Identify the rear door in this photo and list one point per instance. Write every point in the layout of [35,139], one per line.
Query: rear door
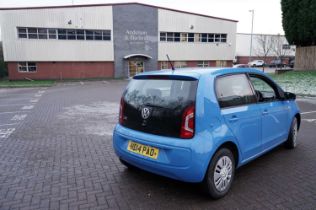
[275,112]
[240,111]
[156,104]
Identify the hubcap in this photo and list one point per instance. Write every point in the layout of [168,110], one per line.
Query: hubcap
[223,173]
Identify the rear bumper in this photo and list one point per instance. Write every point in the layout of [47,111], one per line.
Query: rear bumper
[184,160]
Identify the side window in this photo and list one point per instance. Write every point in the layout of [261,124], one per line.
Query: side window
[264,91]
[234,90]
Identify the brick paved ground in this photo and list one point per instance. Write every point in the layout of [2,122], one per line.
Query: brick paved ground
[56,153]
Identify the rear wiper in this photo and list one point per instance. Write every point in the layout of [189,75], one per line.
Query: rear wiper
[156,106]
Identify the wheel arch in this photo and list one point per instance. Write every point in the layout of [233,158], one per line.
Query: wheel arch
[298,117]
[233,148]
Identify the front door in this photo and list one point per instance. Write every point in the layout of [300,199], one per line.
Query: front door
[274,112]
[135,67]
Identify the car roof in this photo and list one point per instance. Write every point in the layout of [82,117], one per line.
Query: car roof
[198,72]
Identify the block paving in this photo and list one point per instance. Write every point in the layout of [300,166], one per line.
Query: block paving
[49,162]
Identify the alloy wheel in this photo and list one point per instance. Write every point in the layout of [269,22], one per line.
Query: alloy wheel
[223,173]
[294,133]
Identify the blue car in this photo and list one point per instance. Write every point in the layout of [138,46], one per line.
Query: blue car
[199,125]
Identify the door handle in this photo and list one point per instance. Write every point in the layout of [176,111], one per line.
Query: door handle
[265,112]
[234,118]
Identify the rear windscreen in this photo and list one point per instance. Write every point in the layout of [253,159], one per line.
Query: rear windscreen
[164,101]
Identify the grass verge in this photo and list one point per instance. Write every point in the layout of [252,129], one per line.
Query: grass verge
[25,83]
[299,82]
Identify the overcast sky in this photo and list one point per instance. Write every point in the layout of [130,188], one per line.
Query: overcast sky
[268,15]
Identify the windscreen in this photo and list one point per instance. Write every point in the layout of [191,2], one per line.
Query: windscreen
[156,105]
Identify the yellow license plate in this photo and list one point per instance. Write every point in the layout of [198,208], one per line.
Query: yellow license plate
[144,150]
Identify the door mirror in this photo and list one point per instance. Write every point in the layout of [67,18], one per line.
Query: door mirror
[289,96]
[281,93]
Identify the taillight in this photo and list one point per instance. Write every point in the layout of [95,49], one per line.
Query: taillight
[121,115]
[187,124]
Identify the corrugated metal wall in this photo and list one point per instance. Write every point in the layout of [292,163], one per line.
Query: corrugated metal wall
[171,21]
[101,17]
[16,49]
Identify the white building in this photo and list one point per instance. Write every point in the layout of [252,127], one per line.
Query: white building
[111,40]
[1,52]
[264,46]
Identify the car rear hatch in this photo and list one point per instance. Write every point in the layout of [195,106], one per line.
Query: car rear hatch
[161,105]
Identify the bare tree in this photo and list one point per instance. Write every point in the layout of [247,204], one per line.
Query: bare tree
[280,47]
[264,46]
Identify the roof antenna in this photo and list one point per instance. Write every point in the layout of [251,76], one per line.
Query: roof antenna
[170,62]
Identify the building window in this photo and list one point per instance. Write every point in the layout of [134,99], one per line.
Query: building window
[32,33]
[170,37]
[27,67]
[89,35]
[197,37]
[52,33]
[106,34]
[223,38]
[164,65]
[204,37]
[177,37]
[192,37]
[22,33]
[210,37]
[71,34]
[183,37]
[97,35]
[63,34]
[221,63]
[80,34]
[217,37]
[163,36]
[180,64]
[203,64]
[42,33]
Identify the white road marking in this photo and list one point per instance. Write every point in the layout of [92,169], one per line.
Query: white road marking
[308,112]
[13,112]
[28,107]
[309,120]
[9,124]
[19,117]
[41,91]
[5,133]
[34,100]
[38,95]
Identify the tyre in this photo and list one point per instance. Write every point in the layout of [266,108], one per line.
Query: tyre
[291,142]
[220,174]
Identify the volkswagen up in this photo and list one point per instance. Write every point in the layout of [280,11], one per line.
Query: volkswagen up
[199,125]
